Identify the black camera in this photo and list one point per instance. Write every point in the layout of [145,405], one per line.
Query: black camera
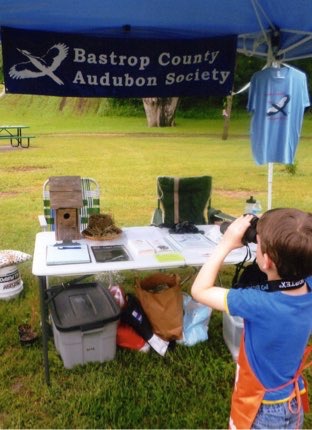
[250,235]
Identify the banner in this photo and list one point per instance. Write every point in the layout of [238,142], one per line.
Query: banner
[80,65]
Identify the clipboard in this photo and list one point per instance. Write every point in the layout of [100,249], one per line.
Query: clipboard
[59,254]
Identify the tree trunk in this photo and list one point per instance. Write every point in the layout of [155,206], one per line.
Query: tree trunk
[160,111]
[227,116]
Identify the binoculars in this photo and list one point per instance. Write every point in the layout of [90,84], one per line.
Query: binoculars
[250,235]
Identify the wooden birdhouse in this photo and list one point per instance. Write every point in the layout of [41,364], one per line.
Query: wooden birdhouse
[66,200]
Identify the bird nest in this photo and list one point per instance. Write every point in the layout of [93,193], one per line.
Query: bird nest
[101,227]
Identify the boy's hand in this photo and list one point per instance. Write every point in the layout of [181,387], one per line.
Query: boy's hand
[233,236]
[203,288]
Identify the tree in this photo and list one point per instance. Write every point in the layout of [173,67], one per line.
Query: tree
[160,111]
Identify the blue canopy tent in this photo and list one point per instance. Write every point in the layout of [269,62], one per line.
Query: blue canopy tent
[277,30]
[254,21]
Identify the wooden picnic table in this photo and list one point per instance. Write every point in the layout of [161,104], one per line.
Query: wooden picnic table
[15,135]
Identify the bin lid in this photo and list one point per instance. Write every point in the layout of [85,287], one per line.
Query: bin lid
[84,307]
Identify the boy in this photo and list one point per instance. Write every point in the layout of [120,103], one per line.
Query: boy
[269,391]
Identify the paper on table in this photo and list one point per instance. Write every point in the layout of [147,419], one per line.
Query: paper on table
[160,246]
[189,241]
[166,257]
[148,247]
[238,255]
[140,247]
[67,254]
[214,234]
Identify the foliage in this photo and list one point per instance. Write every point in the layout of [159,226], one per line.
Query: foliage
[291,168]
[190,387]
[124,107]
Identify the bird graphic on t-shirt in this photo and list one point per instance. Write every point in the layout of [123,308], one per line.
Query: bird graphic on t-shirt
[278,107]
[40,66]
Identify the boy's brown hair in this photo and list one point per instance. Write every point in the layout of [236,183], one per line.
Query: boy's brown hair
[286,236]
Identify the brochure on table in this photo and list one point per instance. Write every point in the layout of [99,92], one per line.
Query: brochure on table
[191,243]
[158,248]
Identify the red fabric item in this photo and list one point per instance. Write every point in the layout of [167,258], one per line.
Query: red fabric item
[127,337]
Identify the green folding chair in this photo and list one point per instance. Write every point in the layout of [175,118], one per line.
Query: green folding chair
[182,199]
[186,199]
[91,204]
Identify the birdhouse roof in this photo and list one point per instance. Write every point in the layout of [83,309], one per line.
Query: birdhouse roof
[65,192]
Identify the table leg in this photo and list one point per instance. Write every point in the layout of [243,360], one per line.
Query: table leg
[45,327]
[19,134]
[26,145]
[13,139]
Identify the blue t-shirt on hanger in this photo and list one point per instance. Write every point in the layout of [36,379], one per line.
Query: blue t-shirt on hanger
[277,99]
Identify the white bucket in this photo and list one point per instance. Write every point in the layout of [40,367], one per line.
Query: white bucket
[10,283]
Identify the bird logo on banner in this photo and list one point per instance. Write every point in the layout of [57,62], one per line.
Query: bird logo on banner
[37,67]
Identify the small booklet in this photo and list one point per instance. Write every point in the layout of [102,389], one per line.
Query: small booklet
[148,247]
[67,254]
[110,253]
[140,247]
[162,251]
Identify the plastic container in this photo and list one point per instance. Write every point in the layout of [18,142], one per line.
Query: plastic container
[257,209]
[232,331]
[253,206]
[10,282]
[84,323]
[249,206]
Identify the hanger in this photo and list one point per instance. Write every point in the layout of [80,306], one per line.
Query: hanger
[277,65]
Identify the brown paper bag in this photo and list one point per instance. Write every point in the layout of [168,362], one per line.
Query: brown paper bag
[161,298]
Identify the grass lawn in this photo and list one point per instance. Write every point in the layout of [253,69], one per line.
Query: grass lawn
[190,387]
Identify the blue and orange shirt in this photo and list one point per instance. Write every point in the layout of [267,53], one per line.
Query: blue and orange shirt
[277,328]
